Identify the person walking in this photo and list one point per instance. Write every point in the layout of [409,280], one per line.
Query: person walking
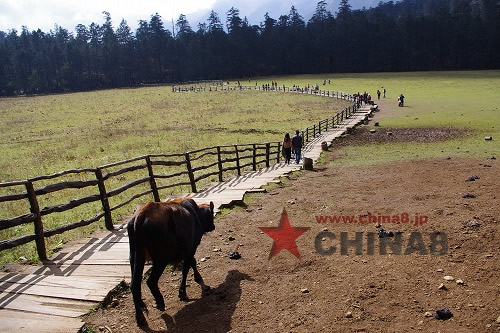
[287,148]
[384,92]
[378,94]
[297,146]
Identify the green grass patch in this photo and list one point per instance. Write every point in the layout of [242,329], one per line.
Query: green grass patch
[465,100]
[47,134]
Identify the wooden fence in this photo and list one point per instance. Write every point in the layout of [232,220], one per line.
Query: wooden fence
[161,172]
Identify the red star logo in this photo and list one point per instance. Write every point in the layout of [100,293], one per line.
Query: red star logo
[284,236]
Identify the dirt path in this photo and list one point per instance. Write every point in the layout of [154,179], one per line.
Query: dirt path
[388,293]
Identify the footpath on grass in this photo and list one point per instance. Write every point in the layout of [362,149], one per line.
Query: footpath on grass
[52,297]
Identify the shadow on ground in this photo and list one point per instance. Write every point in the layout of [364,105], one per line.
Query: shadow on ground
[208,314]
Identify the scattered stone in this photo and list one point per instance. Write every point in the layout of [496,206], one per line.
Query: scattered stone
[348,314]
[440,270]
[373,130]
[460,282]
[377,124]
[216,250]
[291,202]
[442,287]
[231,238]
[323,239]
[488,256]
[385,233]
[203,259]
[304,290]
[372,285]
[498,320]
[23,259]
[472,224]
[493,158]
[235,255]
[488,325]
[378,225]
[488,138]
[260,208]
[420,322]
[114,303]
[325,229]
[469,196]
[449,278]
[448,158]
[248,210]
[389,133]
[472,178]
[443,314]
[428,314]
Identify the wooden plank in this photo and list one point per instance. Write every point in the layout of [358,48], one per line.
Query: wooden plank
[96,271]
[76,288]
[46,305]
[26,322]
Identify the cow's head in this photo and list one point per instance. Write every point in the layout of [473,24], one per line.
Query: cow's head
[207,216]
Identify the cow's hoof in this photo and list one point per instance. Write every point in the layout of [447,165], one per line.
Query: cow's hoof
[160,306]
[182,295]
[140,319]
[207,291]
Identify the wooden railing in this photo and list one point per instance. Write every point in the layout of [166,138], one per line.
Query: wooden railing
[298,90]
[159,172]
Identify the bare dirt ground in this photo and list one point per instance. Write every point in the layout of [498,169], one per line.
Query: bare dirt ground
[383,293]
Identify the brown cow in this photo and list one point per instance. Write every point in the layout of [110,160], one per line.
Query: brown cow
[166,232]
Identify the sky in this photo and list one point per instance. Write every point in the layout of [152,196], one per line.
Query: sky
[45,14]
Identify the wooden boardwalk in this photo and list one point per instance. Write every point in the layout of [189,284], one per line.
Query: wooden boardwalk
[52,297]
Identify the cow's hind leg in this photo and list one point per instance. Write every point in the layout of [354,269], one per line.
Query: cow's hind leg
[137,268]
[156,272]
[182,288]
[198,279]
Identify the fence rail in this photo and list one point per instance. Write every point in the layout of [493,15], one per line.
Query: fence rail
[183,169]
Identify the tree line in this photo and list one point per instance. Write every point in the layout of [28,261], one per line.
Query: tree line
[410,35]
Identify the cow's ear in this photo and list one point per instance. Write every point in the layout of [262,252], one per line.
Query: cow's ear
[211,206]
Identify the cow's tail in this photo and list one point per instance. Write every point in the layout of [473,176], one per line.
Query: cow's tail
[137,260]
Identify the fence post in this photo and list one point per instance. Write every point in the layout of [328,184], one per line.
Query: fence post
[35,209]
[319,127]
[219,163]
[152,181]
[314,130]
[307,134]
[108,220]
[237,159]
[254,158]
[268,149]
[279,152]
[190,173]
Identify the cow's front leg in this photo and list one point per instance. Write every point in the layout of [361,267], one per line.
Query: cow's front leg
[198,279]
[185,269]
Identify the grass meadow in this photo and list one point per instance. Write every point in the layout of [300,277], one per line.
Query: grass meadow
[464,100]
[46,134]
[42,135]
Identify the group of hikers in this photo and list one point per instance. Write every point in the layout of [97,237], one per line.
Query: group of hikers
[361,99]
[292,145]
[273,86]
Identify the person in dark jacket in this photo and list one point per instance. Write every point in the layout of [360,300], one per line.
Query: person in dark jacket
[297,146]
[287,148]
